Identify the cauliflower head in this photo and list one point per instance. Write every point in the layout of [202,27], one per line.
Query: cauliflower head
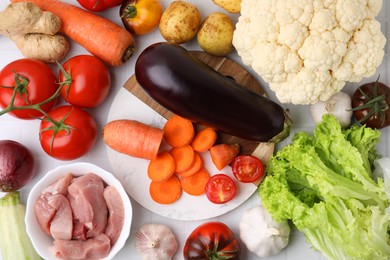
[306,50]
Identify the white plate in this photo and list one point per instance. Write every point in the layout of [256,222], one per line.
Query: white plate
[132,172]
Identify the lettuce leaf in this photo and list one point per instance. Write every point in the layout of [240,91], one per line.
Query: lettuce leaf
[322,183]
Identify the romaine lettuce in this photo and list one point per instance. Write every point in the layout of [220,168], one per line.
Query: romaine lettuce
[322,183]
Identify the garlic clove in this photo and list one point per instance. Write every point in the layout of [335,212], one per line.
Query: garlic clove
[155,242]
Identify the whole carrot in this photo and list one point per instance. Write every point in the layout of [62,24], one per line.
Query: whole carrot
[133,138]
[100,36]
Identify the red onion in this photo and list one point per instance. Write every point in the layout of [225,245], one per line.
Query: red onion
[17,165]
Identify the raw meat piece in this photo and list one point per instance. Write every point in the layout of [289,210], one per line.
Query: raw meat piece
[116,213]
[85,195]
[92,248]
[45,212]
[61,226]
[60,186]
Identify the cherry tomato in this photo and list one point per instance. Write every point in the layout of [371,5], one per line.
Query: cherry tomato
[141,16]
[72,136]
[370,103]
[247,168]
[88,81]
[212,240]
[36,83]
[99,5]
[220,188]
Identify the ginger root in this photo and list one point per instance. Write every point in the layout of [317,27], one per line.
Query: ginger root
[34,31]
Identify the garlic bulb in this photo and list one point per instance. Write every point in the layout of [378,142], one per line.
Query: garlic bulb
[155,242]
[261,234]
[339,105]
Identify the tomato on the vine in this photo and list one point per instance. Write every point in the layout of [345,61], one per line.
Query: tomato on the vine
[67,132]
[34,82]
[212,240]
[141,16]
[85,81]
[247,168]
[370,103]
[220,188]
[99,5]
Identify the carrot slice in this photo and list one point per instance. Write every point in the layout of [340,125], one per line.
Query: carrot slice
[178,131]
[133,138]
[196,183]
[196,166]
[204,139]
[162,167]
[184,157]
[166,192]
[223,154]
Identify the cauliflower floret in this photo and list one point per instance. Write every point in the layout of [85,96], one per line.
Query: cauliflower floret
[307,49]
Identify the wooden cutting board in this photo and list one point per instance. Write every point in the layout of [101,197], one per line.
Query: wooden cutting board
[230,69]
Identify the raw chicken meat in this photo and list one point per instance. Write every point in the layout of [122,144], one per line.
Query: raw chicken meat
[92,248]
[116,213]
[85,195]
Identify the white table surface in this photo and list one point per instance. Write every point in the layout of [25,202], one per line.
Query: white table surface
[26,132]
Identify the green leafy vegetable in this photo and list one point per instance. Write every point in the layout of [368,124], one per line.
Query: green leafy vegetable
[322,182]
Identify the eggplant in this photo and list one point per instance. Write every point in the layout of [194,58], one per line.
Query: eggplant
[188,87]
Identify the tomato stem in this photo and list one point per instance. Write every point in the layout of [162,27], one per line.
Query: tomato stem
[130,12]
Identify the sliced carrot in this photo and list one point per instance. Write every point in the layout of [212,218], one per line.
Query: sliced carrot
[101,37]
[133,138]
[196,166]
[184,157]
[166,192]
[162,167]
[178,131]
[223,154]
[204,139]
[196,183]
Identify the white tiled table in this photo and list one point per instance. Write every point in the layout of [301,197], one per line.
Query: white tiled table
[26,132]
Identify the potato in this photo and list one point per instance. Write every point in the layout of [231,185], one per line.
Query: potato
[232,6]
[216,34]
[180,22]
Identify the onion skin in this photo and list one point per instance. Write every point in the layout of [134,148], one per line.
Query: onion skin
[17,166]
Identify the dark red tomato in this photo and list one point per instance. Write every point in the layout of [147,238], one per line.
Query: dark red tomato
[99,5]
[212,240]
[72,136]
[247,168]
[220,188]
[370,103]
[87,80]
[34,82]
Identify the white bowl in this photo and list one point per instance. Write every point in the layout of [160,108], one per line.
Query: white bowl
[41,241]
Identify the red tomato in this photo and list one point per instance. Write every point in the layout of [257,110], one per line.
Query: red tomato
[37,83]
[212,240]
[247,168]
[72,136]
[220,189]
[99,5]
[89,81]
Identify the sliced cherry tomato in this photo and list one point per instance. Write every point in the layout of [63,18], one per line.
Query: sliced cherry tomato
[220,188]
[141,16]
[370,103]
[86,81]
[99,5]
[247,168]
[34,82]
[71,136]
[212,240]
